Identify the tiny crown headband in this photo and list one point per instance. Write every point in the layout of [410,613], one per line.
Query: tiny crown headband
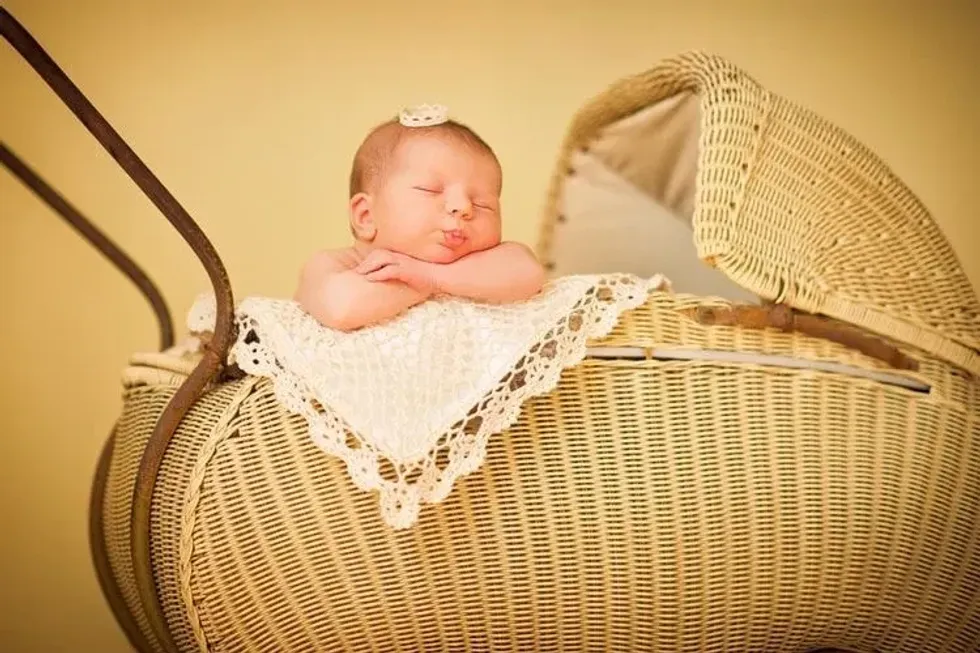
[423,115]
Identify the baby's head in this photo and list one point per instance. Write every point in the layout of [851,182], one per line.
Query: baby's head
[431,192]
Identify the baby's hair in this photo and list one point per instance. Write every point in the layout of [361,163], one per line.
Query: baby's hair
[381,143]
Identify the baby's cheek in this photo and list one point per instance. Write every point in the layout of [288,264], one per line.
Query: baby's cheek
[492,235]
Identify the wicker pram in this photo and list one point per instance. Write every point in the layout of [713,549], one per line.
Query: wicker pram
[727,470]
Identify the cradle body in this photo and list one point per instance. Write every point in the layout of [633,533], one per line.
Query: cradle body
[642,505]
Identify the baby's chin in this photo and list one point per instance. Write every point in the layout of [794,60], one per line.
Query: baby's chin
[438,253]
[442,254]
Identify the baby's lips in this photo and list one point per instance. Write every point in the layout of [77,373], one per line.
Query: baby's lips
[454,237]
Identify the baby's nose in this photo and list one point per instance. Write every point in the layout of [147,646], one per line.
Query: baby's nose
[457,206]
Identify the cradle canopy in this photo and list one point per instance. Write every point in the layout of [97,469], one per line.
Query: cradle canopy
[694,169]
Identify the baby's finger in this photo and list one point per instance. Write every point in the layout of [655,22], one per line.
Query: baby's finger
[370,265]
[373,261]
[387,273]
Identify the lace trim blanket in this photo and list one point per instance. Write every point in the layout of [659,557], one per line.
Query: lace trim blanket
[410,404]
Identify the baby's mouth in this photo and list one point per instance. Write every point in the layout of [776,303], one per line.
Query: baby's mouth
[454,237]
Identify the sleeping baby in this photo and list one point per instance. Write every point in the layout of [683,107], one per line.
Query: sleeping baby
[425,214]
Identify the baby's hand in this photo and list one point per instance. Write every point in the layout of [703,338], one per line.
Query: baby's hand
[386,265]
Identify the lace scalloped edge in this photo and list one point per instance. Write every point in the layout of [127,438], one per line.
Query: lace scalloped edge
[400,499]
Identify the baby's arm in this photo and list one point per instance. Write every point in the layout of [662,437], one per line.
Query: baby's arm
[340,298]
[506,273]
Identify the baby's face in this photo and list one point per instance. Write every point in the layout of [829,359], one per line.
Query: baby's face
[440,201]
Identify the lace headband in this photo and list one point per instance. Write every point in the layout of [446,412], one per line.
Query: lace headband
[424,115]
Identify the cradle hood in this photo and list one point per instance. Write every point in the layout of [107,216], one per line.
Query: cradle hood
[693,162]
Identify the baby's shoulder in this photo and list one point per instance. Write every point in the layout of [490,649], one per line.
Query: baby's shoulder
[319,267]
[333,260]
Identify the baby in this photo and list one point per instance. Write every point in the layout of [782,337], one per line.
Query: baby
[425,215]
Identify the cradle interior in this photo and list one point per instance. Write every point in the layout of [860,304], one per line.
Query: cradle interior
[627,202]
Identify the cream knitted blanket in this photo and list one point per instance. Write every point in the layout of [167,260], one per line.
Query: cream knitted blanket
[409,405]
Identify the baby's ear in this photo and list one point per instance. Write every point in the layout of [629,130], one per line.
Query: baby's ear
[362,217]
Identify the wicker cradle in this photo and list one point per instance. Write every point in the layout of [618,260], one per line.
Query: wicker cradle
[709,479]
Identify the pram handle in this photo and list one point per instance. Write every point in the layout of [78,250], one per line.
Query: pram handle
[215,354]
[30,178]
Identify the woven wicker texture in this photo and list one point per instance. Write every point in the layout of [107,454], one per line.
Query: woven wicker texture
[142,407]
[683,506]
[795,209]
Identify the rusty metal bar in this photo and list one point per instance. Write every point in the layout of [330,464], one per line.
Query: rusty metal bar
[95,237]
[212,360]
[786,318]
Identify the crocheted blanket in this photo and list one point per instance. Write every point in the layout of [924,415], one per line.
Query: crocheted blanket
[409,405]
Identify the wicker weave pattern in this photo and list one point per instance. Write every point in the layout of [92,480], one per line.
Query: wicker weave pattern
[142,407]
[671,506]
[795,209]
[148,389]
[170,500]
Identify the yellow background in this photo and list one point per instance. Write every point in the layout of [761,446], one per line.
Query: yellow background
[249,112]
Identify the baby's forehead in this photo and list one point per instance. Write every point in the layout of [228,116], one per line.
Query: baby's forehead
[433,144]
[438,151]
